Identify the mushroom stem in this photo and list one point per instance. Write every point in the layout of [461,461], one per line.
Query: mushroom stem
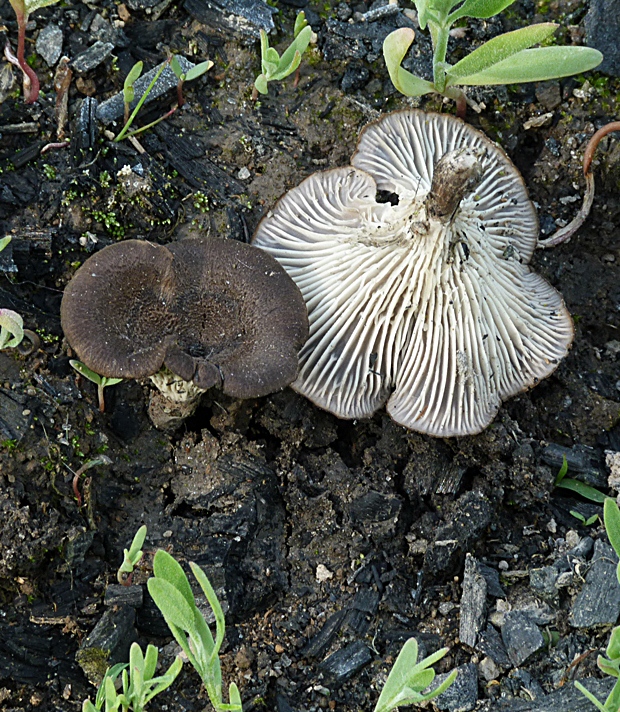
[456,174]
[100,396]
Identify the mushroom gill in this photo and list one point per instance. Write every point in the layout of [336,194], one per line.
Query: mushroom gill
[427,306]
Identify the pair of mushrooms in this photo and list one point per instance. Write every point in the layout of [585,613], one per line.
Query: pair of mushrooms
[191,315]
[424,303]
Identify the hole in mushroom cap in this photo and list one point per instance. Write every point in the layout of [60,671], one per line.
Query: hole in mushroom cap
[214,312]
[427,304]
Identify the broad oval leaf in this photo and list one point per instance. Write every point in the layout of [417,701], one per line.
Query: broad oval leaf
[537,65]
[261,83]
[611,516]
[11,329]
[480,9]
[395,47]
[175,609]
[498,49]
[175,65]
[198,70]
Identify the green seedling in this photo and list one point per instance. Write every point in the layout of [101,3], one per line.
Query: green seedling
[23,9]
[173,595]
[506,59]
[586,522]
[138,684]
[610,665]
[408,679]
[131,557]
[11,323]
[276,68]
[101,381]
[129,92]
[183,77]
[577,486]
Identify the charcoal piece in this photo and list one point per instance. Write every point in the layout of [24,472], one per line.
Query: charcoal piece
[521,637]
[491,576]
[186,154]
[462,694]
[13,422]
[108,643]
[114,107]
[92,57]
[49,44]
[282,704]
[346,662]
[318,644]
[77,543]
[118,595]
[6,259]
[602,32]
[472,514]
[527,683]
[364,605]
[355,77]
[242,17]
[374,507]
[102,29]
[581,460]
[598,603]
[566,699]
[87,124]
[473,602]
[490,644]
[150,622]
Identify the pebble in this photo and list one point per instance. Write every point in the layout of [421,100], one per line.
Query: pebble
[92,57]
[462,694]
[49,44]
[244,173]
[488,669]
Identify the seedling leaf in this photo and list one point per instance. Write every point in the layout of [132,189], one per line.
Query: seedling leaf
[198,70]
[395,47]
[480,9]
[11,329]
[611,516]
[175,65]
[4,242]
[498,49]
[537,65]
[583,489]
[169,569]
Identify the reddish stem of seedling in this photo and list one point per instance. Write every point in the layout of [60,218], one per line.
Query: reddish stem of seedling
[297,77]
[180,97]
[569,230]
[31,81]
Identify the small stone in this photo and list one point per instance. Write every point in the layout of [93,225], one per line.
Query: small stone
[123,12]
[549,94]
[244,173]
[488,669]
[323,573]
[602,32]
[49,44]
[543,582]
[355,77]
[278,648]
[92,57]
[86,86]
[521,637]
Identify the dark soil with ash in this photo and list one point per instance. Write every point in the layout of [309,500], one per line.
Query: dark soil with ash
[329,542]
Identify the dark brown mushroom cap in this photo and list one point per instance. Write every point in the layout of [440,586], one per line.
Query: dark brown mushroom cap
[241,318]
[114,311]
[214,312]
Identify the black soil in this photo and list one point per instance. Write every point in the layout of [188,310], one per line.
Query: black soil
[321,536]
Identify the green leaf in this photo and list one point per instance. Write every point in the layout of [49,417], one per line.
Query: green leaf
[83,370]
[422,8]
[105,381]
[583,489]
[198,70]
[159,684]
[498,49]
[11,329]
[537,65]
[289,62]
[480,9]
[167,568]
[214,602]
[150,661]
[300,23]
[395,47]
[284,71]
[562,472]
[611,517]
[32,5]
[175,65]
[130,79]
[234,696]
[613,647]
[4,242]
[171,602]
[261,84]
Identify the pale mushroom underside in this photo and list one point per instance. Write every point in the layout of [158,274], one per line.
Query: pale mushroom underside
[441,321]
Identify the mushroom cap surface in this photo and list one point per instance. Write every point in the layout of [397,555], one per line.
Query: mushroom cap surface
[114,311]
[214,312]
[432,312]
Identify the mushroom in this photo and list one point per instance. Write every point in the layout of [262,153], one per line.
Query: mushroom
[191,315]
[424,302]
